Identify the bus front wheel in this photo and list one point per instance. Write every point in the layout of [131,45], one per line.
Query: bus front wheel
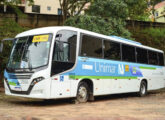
[82,93]
[143,89]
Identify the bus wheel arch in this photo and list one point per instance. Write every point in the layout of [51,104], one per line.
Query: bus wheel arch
[143,88]
[89,86]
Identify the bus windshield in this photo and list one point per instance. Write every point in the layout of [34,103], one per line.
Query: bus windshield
[30,52]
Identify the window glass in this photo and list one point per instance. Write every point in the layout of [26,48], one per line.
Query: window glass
[36,8]
[142,55]
[153,58]
[48,8]
[61,55]
[59,11]
[30,52]
[64,54]
[128,53]
[161,59]
[91,46]
[111,50]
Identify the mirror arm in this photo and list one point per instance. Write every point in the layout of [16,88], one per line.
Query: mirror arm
[1,44]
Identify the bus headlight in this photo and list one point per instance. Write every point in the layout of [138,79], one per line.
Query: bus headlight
[36,80]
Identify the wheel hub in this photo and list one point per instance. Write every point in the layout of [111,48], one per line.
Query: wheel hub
[82,93]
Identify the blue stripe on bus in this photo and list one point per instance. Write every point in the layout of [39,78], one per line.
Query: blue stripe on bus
[10,80]
[101,67]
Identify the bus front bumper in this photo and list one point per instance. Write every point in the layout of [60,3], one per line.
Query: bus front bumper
[40,90]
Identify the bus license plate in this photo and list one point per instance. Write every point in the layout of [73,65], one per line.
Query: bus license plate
[23,81]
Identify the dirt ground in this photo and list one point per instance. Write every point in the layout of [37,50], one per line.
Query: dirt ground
[112,107]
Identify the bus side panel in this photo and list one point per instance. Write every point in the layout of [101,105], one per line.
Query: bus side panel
[155,78]
[60,86]
[108,77]
[128,85]
[112,86]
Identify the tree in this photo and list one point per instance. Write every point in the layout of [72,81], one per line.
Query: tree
[105,17]
[72,7]
[111,26]
[154,2]
[137,9]
[108,9]
[14,4]
[8,29]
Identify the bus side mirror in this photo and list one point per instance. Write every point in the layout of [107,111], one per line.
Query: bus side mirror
[61,47]
[7,39]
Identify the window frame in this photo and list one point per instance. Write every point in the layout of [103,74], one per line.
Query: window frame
[112,42]
[76,52]
[147,55]
[80,45]
[159,60]
[36,7]
[156,57]
[122,52]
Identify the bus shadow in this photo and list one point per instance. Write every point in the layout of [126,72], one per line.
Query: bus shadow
[62,102]
[115,97]
[42,103]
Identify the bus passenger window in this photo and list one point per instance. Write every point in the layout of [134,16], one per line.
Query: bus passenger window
[128,53]
[142,55]
[111,50]
[91,46]
[161,59]
[153,58]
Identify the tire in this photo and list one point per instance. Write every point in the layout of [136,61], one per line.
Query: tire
[82,93]
[143,89]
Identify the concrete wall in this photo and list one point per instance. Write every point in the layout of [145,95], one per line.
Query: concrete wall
[53,4]
[34,20]
[160,12]
[160,19]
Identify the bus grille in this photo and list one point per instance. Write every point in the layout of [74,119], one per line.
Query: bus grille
[11,76]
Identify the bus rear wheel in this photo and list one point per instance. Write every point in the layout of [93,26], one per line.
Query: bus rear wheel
[143,89]
[82,93]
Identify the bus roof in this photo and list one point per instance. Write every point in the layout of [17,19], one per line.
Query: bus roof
[54,29]
[124,39]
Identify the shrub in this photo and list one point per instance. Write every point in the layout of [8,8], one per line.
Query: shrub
[154,37]
[8,29]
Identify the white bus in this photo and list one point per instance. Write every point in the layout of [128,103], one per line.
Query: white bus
[67,62]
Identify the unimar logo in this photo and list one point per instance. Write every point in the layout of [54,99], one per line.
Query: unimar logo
[121,69]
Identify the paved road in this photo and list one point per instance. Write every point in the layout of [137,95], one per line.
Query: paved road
[112,107]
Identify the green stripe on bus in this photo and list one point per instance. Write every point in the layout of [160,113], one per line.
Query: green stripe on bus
[102,77]
[151,68]
[12,83]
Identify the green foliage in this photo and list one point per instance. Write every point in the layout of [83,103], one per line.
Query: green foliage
[137,9]
[154,2]
[72,7]
[8,29]
[14,5]
[109,9]
[97,24]
[106,17]
[15,2]
[153,37]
